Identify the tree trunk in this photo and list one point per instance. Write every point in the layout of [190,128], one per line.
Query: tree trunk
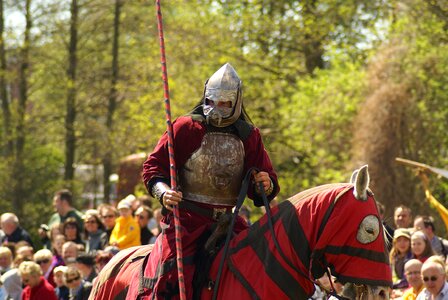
[18,173]
[6,110]
[107,161]
[70,138]
[312,45]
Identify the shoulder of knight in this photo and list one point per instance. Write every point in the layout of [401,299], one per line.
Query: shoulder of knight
[243,128]
[188,122]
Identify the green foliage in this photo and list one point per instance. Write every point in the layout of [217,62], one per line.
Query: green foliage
[43,168]
[308,68]
[317,120]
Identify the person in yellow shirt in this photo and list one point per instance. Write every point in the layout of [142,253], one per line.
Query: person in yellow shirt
[126,232]
[412,271]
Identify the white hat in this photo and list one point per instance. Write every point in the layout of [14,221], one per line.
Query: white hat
[60,269]
[130,198]
[123,204]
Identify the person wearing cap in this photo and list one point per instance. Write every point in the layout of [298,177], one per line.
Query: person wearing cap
[61,290]
[399,255]
[86,265]
[126,232]
[215,146]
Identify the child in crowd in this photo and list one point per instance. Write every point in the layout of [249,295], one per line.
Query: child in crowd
[126,232]
[61,290]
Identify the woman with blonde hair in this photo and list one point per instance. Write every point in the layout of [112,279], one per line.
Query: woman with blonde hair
[36,286]
[399,255]
[5,260]
[47,262]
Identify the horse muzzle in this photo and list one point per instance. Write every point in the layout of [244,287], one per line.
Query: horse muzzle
[365,292]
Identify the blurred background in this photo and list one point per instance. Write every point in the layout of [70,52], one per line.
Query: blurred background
[331,84]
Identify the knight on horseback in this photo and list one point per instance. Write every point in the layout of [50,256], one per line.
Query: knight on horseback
[214,147]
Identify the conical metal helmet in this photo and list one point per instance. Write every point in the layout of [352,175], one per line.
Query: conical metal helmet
[222,97]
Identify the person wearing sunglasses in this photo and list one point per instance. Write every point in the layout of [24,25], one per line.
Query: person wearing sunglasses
[142,215]
[109,216]
[434,279]
[44,258]
[36,286]
[79,289]
[95,236]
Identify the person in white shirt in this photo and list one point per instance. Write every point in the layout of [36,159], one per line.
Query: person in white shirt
[434,279]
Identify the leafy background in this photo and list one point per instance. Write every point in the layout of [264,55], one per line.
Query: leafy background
[331,84]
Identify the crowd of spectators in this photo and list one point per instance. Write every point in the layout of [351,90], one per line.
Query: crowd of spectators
[418,257]
[76,246]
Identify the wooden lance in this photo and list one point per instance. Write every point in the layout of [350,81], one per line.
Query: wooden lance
[166,92]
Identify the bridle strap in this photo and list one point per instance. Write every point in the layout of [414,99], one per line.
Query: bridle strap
[332,292]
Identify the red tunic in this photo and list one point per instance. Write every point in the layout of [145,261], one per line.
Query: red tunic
[188,135]
[161,273]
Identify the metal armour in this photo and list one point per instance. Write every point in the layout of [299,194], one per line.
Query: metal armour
[223,86]
[214,172]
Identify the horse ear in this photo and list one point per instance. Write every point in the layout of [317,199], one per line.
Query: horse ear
[353,177]
[360,179]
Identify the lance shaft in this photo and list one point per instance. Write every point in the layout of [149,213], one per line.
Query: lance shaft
[166,93]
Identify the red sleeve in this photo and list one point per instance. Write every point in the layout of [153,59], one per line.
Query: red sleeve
[188,135]
[257,156]
[26,293]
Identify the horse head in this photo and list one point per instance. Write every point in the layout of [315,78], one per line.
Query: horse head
[349,240]
[330,228]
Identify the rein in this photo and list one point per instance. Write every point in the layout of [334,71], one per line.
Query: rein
[239,203]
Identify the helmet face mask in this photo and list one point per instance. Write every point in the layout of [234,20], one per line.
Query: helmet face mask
[222,97]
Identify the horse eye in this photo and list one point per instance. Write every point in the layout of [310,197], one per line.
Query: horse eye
[368,230]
